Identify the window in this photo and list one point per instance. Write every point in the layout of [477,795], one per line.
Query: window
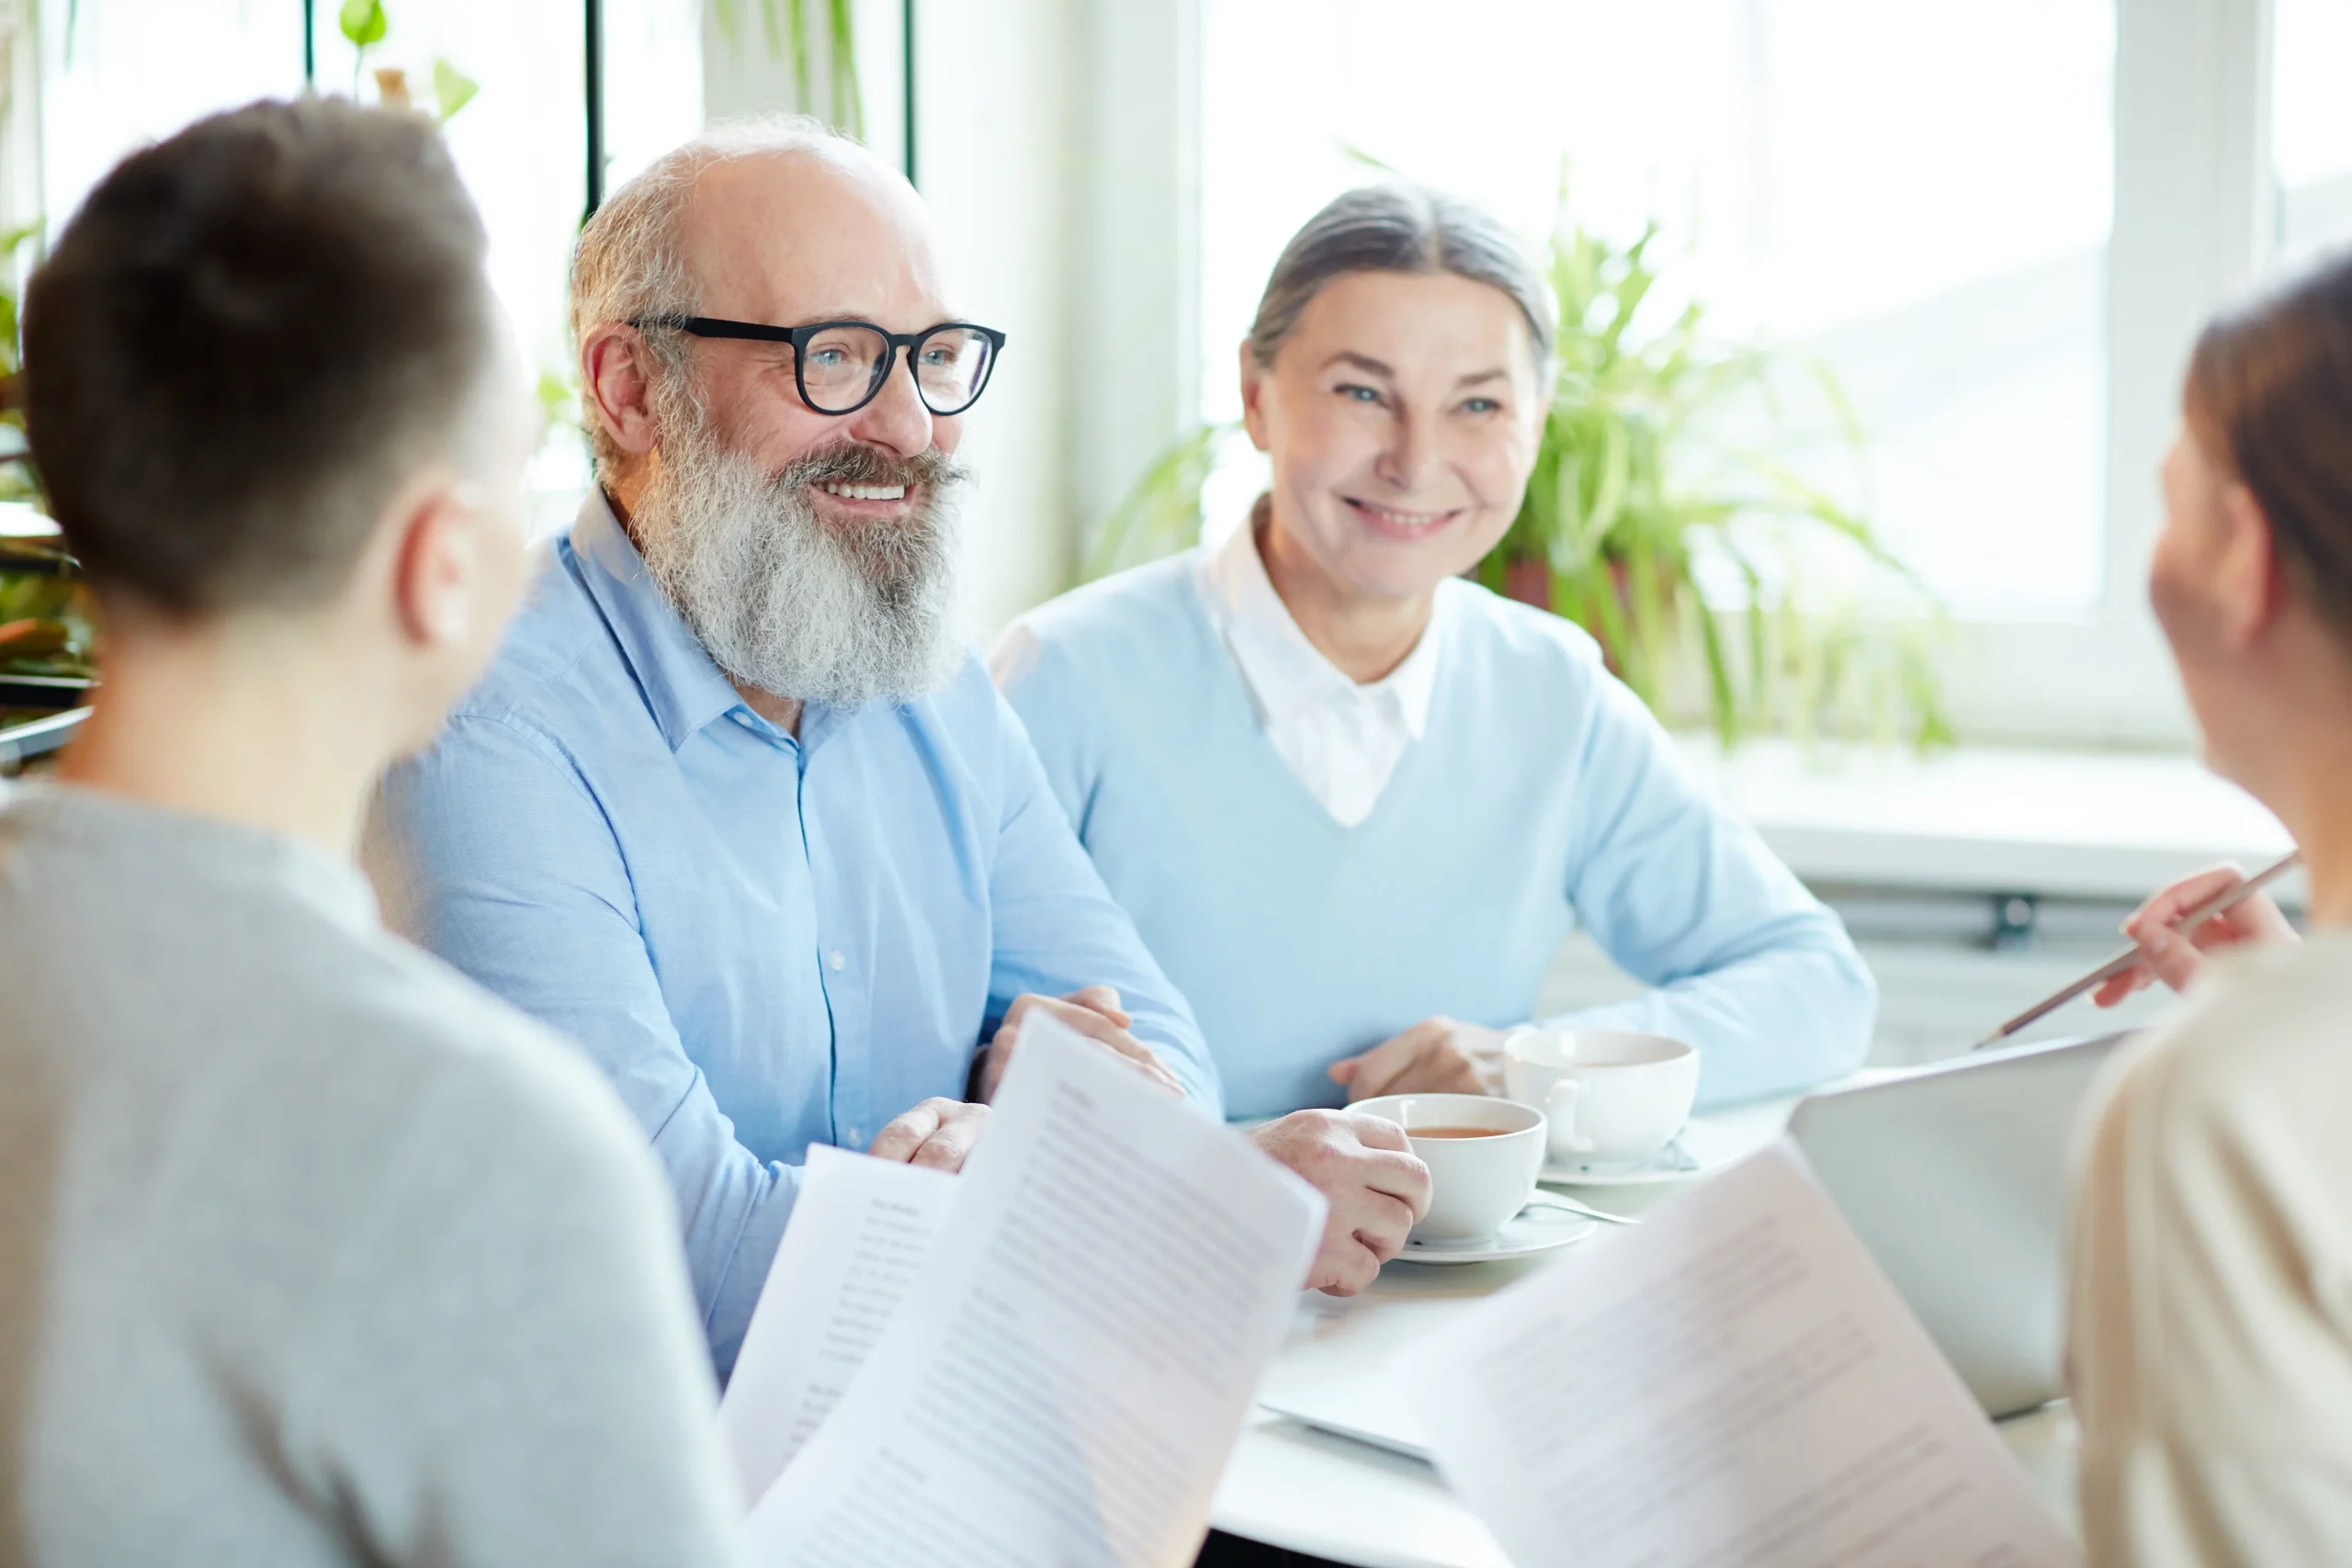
[120,72]
[2311,124]
[1948,263]
[1998,223]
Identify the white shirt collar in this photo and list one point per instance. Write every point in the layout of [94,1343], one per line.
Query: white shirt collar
[1287,674]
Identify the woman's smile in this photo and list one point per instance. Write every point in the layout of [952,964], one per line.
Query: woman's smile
[1396,523]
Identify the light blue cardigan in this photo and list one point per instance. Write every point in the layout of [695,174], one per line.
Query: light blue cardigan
[1542,795]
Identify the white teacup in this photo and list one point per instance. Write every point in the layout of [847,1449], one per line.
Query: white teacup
[1484,1154]
[1611,1097]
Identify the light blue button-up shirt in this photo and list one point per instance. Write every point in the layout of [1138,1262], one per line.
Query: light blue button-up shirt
[766,943]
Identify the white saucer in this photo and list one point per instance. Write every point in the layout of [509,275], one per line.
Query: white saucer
[1700,1147]
[1537,1228]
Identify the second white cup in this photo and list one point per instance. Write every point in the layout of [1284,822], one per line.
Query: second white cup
[1612,1097]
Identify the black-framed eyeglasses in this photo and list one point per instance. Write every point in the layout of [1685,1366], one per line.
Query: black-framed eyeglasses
[841,367]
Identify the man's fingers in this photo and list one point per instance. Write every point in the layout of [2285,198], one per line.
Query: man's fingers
[1379,1133]
[1399,1176]
[1085,1021]
[1092,1022]
[951,1146]
[906,1132]
[1104,1000]
[1383,1224]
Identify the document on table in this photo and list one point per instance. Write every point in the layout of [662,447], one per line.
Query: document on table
[1069,1370]
[861,1231]
[1733,1385]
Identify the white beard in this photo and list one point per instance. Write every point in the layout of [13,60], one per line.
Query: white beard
[785,602]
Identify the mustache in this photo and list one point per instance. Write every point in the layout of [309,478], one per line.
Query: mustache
[852,463]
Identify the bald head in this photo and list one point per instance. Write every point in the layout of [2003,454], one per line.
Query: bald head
[776,221]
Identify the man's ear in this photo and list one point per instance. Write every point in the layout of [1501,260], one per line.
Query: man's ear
[614,365]
[1254,377]
[2249,585]
[436,563]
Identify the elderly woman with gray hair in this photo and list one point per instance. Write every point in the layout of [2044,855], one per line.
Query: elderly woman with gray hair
[1354,801]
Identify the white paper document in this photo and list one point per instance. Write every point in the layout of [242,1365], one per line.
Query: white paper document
[1733,1385]
[1069,1368]
[861,1230]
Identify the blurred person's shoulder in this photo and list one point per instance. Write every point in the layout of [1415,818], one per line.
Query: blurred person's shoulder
[225,973]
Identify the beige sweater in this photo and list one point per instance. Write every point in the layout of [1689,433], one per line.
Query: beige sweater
[311,1252]
[2210,1346]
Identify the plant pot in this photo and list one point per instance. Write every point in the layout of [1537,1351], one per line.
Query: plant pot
[1529,580]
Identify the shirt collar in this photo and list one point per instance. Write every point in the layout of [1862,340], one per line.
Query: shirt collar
[683,687]
[1287,673]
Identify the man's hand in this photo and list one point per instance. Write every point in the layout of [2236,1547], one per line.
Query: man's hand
[1095,1012]
[1438,1055]
[1376,1185]
[938,1133]
[2167,955]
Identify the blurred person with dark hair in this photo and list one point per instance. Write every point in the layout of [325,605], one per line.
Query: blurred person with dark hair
[2210,1343]
[311,1250]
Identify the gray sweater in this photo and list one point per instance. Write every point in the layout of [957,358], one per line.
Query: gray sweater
[311,1252]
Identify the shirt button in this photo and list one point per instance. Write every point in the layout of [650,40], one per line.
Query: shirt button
[838,962]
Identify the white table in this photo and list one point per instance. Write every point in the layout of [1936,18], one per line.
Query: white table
[1291,1486]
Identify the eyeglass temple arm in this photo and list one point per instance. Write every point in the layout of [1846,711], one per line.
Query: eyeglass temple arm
[710,326]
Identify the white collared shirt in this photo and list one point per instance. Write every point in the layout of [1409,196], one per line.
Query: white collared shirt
[1341,739]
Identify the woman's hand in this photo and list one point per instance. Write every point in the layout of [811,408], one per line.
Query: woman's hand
[2167,955]
[1438,1055]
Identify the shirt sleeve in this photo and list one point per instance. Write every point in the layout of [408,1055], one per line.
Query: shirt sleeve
[492,853]
[1742,963]
[2210,1335]
[514,1377]
[1059,930]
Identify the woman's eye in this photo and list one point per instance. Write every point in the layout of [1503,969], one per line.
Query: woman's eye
[1355,393]
[1481,405]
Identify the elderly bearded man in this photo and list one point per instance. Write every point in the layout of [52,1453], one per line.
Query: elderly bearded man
[734,810]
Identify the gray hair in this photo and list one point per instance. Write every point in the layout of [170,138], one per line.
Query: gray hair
[1401,226]
[628,263]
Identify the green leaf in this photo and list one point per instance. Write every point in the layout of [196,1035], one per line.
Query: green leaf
[452,89]
[841,41]
[363,22]
[1162,515]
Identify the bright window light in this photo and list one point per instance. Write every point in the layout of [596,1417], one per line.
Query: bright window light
[2311,124]
[126,74]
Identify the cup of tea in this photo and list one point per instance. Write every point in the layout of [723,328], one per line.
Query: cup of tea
[1484,1154]
[1610,1096]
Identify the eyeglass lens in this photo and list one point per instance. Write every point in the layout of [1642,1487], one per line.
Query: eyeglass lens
[843,367]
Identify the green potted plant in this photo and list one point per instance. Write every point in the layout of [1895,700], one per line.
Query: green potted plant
[1720,583]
